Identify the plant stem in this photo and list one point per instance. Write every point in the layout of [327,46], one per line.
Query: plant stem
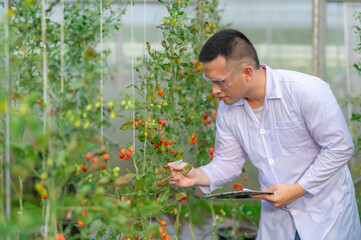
[190,221]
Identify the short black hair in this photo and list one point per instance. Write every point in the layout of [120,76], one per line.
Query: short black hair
[230,44]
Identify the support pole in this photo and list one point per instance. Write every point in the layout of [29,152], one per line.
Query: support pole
[7,118]
[318,37]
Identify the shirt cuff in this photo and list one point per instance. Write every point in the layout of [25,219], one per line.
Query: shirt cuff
[308,187]
[206,189]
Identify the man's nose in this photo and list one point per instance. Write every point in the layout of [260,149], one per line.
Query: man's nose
[215,89]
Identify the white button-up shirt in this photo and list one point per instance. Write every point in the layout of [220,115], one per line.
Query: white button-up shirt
[302,137]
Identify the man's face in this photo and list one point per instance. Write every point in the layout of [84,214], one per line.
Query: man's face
[232,88]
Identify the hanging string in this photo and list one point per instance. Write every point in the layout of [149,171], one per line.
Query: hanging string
[45,96]
[101,74]
[145,79]
[7,121]
[133,82]
[62,50]
[45,64]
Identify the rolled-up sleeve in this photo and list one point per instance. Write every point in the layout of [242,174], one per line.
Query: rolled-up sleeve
[228,158]
[327,126]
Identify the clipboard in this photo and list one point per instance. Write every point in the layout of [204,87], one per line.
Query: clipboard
[244,194]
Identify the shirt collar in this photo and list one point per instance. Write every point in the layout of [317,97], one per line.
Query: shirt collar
[272,87]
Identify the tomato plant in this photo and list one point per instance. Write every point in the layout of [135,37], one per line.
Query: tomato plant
[62,179]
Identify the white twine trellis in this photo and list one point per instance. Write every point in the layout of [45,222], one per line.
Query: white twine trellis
[7,121]
[101,75]
[46,103]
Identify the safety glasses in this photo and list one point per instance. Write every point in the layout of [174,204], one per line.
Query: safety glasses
[220,83]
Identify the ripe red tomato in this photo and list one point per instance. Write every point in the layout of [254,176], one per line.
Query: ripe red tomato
[88,156]
[123,151]
[81,224]
[212,151]
[195,63]
[83,202]
[160,92]
[163,223]
[245,178]
[45,196]
[106,157]
[129,154]
[95,160]
[136,124]
[60,236]
[194,139]
[161,122]
[102,167]
[126,158]
[121,155]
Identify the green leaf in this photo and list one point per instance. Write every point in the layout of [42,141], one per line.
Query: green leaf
[355,116]
[156,139]
[76,85]
[187,168]
[126,126]
[130,175]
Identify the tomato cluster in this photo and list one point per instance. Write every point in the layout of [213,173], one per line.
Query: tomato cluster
[124,154]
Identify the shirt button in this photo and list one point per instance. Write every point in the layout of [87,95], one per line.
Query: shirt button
[271,161]
[293,212]
[262,131]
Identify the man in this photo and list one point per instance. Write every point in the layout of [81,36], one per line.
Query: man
[290,126]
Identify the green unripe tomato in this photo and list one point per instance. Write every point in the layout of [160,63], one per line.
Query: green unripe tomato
[112,115]
[116,169]
[77,123]
[89,107]
[86,124]
[111,103]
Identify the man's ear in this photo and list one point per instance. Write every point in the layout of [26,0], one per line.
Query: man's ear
[247,72]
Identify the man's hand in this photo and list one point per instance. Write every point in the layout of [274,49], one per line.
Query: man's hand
[194,177]
[283,194]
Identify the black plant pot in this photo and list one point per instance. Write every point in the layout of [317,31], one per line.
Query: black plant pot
[242,233]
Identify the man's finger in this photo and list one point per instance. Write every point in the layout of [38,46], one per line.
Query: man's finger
[266,197]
